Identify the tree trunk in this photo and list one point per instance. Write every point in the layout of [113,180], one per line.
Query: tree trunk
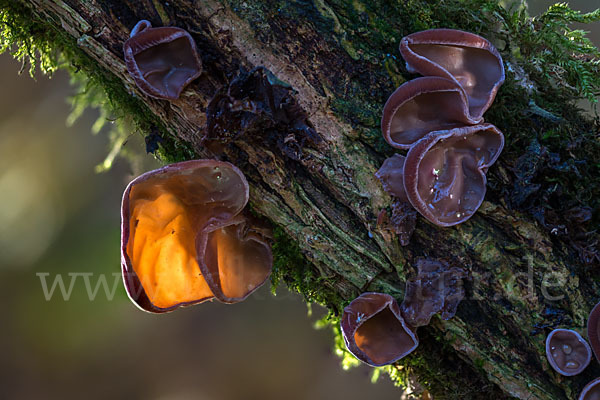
[529,249]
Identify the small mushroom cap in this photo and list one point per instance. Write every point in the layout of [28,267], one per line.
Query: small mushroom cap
[184,240]
[468,59]
[568,353]
[374,330]
[591,391]
[162,61]
[593,329]
[423,105]
[444,173]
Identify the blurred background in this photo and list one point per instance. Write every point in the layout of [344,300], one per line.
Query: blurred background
[60,218]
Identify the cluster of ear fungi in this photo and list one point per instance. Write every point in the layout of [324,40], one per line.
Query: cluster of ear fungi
[569,354]
[185,237]
[438,118]
[378,331]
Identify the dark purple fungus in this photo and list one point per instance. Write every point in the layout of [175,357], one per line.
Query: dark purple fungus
[161,61]
[437,288]
[444,173]
[185,238]
[421,106]
[391,176]
[441,176]
[374,330]
[591,391]
[463,57]
[404,217]
[593,328]
[258,106]
[403,221]
[568,353]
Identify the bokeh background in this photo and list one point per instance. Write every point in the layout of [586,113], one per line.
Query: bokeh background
[59,217]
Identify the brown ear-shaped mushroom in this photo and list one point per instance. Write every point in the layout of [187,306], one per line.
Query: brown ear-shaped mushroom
[161,61]
[568,353]
[391,176]
[591,391]
[184,239]
[423,105]
[437,288]
[470,60]
[444,173]
[238,258]
[374,330]
[593,329]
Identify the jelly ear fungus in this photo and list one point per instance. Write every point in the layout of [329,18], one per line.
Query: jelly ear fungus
[423,105]
[591,391]
[437,288]
[463,57]
[237,257]
[568,353]
[439,120]
[162,61]
[391,176]
[185,238]
[374,330]
[444,173]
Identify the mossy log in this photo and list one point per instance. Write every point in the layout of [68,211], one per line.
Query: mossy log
[531,248]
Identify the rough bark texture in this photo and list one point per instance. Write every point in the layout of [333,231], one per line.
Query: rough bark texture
[340,60]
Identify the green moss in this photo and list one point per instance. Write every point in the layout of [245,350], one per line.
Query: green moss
[425,362]
[20,35]
[291,267]
[555,52]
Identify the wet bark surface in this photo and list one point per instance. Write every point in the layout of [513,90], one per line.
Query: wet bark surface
[294,103]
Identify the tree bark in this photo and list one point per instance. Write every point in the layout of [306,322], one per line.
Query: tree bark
[341,61]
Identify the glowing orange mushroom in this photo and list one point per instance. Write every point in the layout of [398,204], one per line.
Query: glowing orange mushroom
[184,238]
